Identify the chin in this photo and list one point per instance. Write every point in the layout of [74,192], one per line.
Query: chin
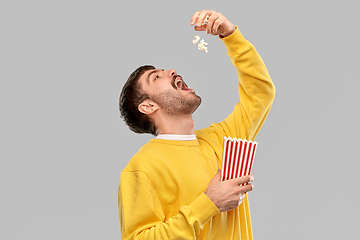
[198,104]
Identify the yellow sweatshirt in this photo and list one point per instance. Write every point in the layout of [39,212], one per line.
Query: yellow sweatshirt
[161,192]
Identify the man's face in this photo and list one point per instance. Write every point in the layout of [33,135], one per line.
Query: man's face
[169,91]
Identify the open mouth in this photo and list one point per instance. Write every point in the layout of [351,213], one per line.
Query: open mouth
[180,84]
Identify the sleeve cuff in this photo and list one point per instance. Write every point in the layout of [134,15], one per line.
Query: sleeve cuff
[203,208]
[235,42]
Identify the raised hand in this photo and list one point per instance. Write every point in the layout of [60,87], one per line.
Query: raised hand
[217,23]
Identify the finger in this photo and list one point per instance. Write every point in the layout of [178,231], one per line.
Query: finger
[246,188]
[218,174]
[217,23]
[202,16]
[211,21]
[243,179]
[194,17]
[201,28]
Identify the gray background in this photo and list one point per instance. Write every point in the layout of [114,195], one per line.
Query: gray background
[63,145]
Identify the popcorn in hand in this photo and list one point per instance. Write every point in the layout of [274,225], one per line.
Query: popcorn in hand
[206,20]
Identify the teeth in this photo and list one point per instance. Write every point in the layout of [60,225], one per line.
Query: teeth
[181,83]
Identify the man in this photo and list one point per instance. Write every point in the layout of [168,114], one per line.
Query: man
[168,189]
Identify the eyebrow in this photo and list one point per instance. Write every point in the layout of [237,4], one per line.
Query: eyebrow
[148,77]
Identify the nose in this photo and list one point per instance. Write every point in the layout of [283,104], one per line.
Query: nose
[170,72]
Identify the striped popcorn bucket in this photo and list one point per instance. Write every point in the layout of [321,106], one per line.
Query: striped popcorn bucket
[238,158]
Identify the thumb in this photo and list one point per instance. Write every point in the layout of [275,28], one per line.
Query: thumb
[201,28]
[218,174]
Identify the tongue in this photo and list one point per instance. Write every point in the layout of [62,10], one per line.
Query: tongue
[185,87]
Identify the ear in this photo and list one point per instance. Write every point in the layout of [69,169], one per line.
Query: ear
[148,107]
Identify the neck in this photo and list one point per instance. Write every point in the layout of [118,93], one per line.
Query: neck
[180,125]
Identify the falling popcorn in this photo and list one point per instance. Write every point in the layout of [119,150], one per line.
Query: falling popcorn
[197,38]
[202,44]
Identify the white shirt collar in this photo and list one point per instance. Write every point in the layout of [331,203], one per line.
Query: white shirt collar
[176,137]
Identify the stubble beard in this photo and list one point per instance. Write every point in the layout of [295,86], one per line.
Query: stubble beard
[175,104]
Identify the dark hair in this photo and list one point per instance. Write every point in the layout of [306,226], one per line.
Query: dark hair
[130,98]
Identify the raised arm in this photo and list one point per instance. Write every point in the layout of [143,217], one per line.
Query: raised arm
[256,89]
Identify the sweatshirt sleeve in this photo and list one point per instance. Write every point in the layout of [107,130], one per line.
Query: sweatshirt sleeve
[256,90]
[142,213]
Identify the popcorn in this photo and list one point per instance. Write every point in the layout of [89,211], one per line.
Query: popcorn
[206,20]
[201,44]
[197,38]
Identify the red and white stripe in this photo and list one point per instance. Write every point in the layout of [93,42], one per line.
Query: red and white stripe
[238,158]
